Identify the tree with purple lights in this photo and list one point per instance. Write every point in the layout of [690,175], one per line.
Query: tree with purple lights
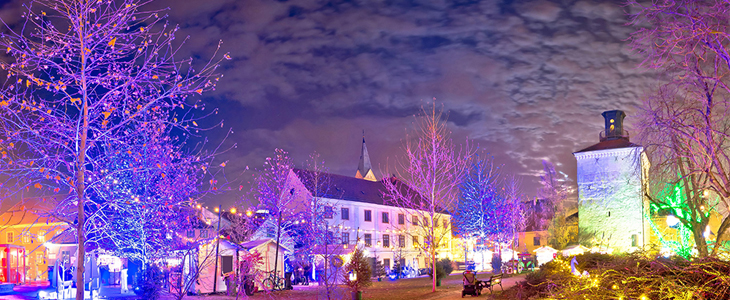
[320,235]
[427,181]
[88,80]
[684,126]
[281,201]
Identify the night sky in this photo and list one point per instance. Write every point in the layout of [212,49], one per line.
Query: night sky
[526,80]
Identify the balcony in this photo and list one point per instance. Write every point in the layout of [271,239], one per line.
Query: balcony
[616,135]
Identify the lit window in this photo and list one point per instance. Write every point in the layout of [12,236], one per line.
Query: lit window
[41,236]
[415,241]
[25,238]
[39,258]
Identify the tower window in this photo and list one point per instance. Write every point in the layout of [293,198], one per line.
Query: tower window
[634,240]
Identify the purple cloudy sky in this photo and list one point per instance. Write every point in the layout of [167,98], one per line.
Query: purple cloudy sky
[527,80]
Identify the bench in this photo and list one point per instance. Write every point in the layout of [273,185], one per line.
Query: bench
[493,281]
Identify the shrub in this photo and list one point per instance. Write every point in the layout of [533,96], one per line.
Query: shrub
[151,283]
[444,267]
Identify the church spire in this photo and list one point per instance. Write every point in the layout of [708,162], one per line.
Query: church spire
[364,168]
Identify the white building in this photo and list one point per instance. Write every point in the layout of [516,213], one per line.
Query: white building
[611,187]
[358,210]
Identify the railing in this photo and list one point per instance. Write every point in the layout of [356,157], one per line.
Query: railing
[602,136]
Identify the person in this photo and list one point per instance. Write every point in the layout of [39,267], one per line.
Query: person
[496,263]
[307,271]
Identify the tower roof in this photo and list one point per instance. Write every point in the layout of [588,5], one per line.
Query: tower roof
[364,168]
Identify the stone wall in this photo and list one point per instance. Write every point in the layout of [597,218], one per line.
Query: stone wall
[611,204]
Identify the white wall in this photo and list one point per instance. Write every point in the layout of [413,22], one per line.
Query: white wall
[611,202]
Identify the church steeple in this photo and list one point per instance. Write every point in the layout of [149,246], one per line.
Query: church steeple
[364,168]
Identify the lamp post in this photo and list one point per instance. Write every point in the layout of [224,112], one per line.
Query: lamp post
[217,245]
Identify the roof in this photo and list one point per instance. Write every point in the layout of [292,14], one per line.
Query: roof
[610,144]
[253,244]
[30,211]
[348,188]
[364,166]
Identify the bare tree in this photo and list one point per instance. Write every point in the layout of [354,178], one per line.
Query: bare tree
[685,125]
[427,181]
[556,192]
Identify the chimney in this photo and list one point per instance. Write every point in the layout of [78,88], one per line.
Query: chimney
[614,125]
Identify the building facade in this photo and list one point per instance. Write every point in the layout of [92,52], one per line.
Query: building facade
[357,212]
[27,224]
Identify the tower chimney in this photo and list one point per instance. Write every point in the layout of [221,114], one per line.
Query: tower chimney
[614,125]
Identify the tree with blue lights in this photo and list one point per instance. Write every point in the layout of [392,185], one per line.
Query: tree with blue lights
[490,206]
[478,188]
[87,80]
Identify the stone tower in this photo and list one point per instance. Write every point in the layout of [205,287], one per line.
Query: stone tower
[611,187]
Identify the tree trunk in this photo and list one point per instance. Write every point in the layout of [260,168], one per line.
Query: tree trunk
[80,168]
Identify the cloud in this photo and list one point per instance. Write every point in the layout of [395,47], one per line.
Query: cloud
[526,79]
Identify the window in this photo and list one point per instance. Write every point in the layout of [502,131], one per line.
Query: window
[435,223]
[415,241]
[634,240]
[386,240]
[9,237]
[328,213]
[401,241]
[345,238]
[39,258]
[368,240]
[385,218]
[401,219]
[191,234]
[386,263]
[345,213]
[41,236]
[25,238]
[536,241]
[425,221]
[368,215]
[203,234]
[414,219]
[446,224]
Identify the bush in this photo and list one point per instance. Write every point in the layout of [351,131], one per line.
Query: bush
[150,286]
[632,276]
[444,267]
